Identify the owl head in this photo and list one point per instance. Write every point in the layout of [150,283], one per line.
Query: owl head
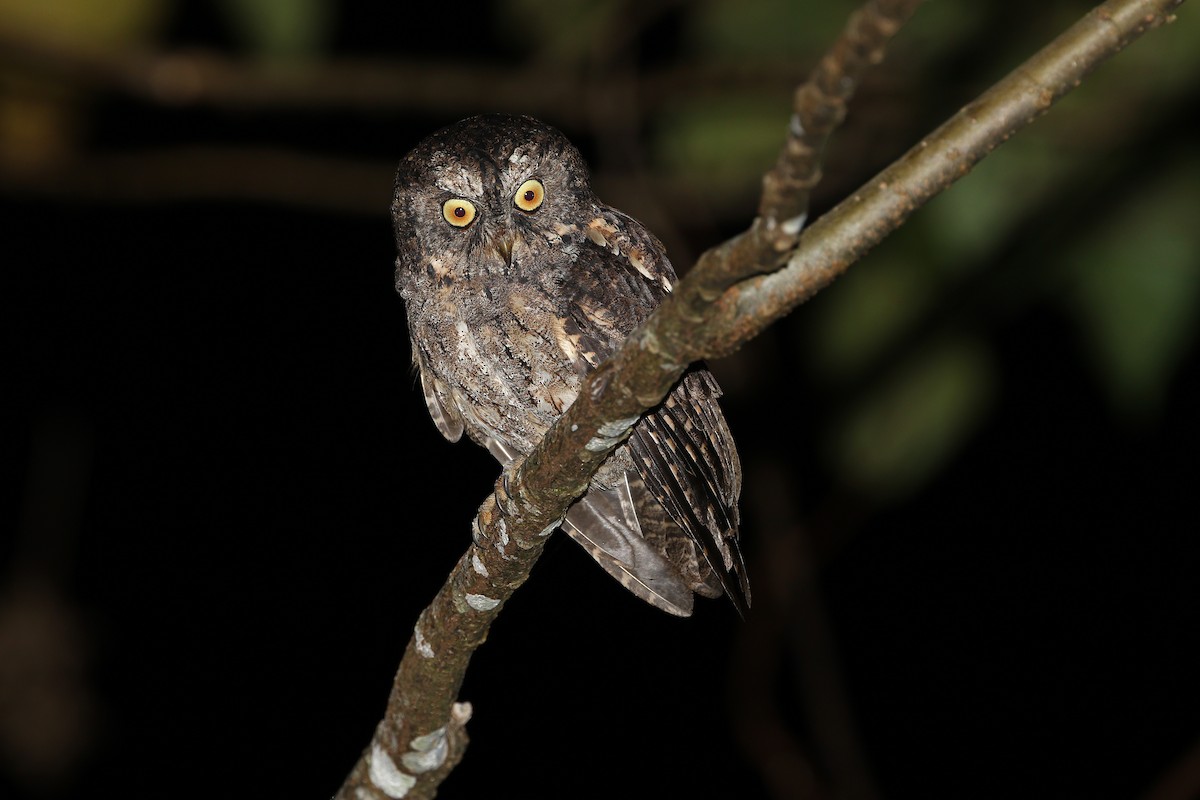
[472,196]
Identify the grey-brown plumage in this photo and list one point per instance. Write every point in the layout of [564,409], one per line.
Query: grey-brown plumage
[518,281]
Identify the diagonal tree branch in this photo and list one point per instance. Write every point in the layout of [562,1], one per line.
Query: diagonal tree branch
[735,291]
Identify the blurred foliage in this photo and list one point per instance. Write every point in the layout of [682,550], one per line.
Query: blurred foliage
[850,329]
[981,213]
[566,32]
[1129,282]
[940,28]
[767,29]
[111,24]
[281,30]
[41,118]
[1135,290]
[902,432]
[729,140]
[1128,278]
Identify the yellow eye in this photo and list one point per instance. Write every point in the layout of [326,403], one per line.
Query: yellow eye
[458,212]
[530,195]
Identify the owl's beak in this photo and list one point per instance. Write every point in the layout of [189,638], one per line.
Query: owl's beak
[504,246]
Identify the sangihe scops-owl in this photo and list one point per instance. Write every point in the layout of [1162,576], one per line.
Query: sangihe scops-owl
[518,281]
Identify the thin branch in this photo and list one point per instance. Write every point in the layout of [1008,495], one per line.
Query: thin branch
[422,735]
[820,105]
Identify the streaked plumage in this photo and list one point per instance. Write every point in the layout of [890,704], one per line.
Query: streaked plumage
[513,296]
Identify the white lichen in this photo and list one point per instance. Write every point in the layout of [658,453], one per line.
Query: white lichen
[460,713]
[792,226]
[796,126]
[481,602]
[617,427]
[422,644]
[477,565]
[600,443]
[387,776]
[428,752]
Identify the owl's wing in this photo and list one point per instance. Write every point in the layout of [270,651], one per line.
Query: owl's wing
[605,523]
[686,461]
[445,415]
[685,454]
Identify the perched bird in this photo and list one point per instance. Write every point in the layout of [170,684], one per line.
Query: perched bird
[518,281]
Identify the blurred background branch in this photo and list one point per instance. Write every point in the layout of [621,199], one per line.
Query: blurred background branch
[214,79]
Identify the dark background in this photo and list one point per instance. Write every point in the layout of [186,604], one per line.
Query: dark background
[224,503]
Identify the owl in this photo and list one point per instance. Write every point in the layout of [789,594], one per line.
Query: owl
[518,281]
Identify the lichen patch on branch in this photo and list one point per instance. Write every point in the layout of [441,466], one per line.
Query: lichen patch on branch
[428,752]
[422,643]
[481,602]
[386,776]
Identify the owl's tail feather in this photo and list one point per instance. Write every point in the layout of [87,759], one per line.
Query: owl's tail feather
[605,524]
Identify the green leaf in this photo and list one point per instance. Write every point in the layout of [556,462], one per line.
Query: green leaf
[723,138]
[907,430]
[280,29]
[1136,291]
[978,214]
[872,307]
[763,29]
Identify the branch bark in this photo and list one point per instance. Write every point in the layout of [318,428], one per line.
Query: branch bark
[733,293]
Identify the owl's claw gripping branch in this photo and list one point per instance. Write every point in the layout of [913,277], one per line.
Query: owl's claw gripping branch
[422,736]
